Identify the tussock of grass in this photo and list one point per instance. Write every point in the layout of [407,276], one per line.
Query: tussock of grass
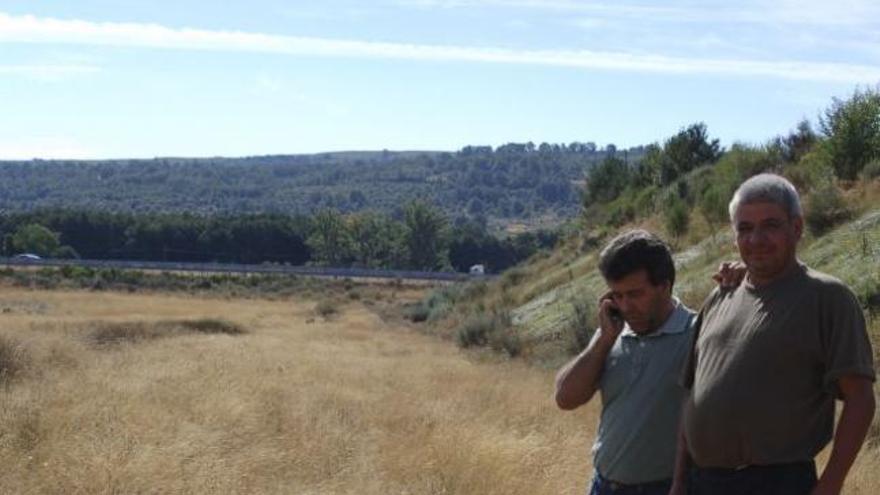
[327,308]
[14,359]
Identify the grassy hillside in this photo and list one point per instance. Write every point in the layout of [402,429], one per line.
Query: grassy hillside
[544,298]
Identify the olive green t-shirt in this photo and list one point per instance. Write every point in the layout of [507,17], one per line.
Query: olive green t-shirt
[763,369]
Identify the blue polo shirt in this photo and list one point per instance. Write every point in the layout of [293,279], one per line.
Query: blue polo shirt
[641,401]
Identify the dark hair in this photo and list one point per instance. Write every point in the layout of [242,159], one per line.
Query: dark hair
[637,250]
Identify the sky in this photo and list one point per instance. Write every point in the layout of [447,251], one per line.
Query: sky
[93,79]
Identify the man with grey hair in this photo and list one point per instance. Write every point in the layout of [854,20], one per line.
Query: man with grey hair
[768,359]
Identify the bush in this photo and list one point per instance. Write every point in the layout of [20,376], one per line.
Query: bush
[494,330]
[502,336]
[826,208]
[475,331]
[512,277]
[580,328]
[506,340]
[418,312]
[814,168]
[676,217]
[326,308]
[438,303]
[871,170]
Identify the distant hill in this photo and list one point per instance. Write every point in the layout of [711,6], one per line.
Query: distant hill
[514,184]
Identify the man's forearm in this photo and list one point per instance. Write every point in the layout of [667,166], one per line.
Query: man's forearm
[855,419]
[577,381]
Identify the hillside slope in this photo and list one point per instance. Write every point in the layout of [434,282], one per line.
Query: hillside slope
[548,302]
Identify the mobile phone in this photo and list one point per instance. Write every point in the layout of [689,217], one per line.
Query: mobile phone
[615,314]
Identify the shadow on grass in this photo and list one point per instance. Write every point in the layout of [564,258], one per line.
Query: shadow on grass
[110,334]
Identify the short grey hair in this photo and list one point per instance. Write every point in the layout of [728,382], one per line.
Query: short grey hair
[767,188]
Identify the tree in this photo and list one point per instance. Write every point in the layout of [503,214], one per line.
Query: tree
[606,180]
[687,150]
[34,238]
[330,240]
[799,142]
[377,241]
[853,131]
[425,236]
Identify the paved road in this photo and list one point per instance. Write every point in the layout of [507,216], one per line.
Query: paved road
[311,271]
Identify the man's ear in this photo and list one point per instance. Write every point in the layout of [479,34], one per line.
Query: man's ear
[798,224]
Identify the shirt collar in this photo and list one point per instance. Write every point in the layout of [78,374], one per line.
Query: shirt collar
[675,323]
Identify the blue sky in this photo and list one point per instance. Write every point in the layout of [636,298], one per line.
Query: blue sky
[117,78]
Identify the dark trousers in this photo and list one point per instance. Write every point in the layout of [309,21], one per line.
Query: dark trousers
[603,486]
[778,479]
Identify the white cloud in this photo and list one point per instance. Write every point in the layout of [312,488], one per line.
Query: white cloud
[45,147]
[30,29]
[809,12]
[47,72]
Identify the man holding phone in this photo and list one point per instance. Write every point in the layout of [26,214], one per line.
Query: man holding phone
[633,360]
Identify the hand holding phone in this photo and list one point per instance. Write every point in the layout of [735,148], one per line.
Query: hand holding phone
[610,316]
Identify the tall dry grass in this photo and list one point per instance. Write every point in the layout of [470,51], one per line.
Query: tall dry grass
[293,404]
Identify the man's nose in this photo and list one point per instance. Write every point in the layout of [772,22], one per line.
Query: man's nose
[757,235]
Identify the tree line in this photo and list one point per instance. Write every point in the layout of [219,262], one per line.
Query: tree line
[512,182]
[422,238]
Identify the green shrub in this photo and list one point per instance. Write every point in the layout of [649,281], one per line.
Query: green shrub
[417,312]
[871,170]
[825,209]
[475,331]
[494,330]
[645,201]
[580,327]
[77,272]
[507,340]
[512,277]
[814,168]
[676,217]
[501,336]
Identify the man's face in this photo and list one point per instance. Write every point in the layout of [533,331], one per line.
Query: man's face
[766,238]
[642,304]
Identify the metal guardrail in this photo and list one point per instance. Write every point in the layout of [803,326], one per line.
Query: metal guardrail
[312,271]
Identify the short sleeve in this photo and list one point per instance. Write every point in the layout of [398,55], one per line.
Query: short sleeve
[686,378]
[846,348]
[689,369]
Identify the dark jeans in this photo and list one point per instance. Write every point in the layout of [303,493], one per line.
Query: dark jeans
[779,479]
[602,486]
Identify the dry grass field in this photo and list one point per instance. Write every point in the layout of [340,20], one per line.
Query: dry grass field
[111,393]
